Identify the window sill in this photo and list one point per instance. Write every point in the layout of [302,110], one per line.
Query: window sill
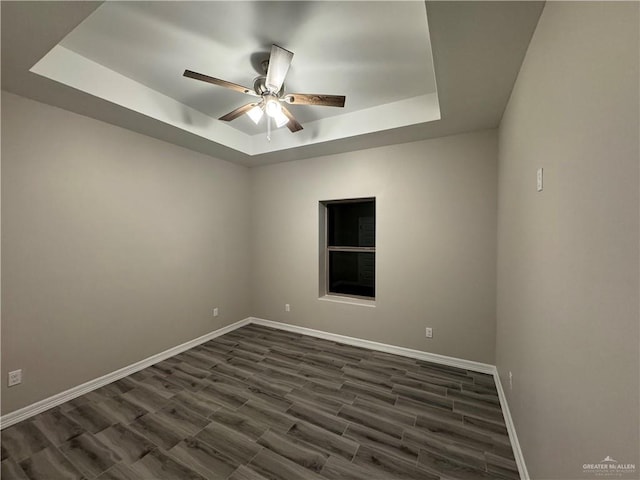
[348,300]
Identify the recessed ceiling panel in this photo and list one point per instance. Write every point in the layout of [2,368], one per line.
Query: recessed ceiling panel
[377,54]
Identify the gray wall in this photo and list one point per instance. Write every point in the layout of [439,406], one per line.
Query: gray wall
[568,256]
[436,243]
[115,246]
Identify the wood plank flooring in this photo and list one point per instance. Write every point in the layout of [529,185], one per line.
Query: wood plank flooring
[260,403]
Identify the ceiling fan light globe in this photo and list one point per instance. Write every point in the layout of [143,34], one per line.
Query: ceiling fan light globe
[255,114]
[280,119]
[272,107]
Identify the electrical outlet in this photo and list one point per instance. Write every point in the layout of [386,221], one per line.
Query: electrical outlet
[510,381]
[429,332]
[215,312]
[15,377]
[287,307]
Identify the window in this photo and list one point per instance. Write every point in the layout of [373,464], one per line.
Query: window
[349,247]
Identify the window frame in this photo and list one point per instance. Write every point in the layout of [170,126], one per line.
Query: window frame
[325,249]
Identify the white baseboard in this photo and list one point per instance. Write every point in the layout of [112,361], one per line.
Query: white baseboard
[381,347]
[59,398]
[511,429]
[39,407]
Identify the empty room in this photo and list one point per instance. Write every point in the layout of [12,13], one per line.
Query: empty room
[343,240]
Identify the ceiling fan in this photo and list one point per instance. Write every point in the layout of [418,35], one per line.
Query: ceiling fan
[269,90]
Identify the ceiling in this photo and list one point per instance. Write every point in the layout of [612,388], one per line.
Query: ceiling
[122,62]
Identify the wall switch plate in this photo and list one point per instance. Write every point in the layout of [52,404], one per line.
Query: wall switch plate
[429,332]
[287,307]
[539,180]
[510,381]
[15,377]
[215,312]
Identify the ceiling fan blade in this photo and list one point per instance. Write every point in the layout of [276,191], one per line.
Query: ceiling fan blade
[279,63]
[293,124]
[217,81]
[237,112]
[315,99]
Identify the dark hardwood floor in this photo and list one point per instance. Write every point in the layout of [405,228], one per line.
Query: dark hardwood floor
[260,403]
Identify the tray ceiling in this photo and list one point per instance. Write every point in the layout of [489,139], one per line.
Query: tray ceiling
[133,54]
[122,62]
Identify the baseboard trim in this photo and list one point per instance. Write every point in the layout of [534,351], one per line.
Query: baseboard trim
[59,398]
[511,429]
[381,347]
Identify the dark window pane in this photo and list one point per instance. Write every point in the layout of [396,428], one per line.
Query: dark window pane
[352,273]
[352,224]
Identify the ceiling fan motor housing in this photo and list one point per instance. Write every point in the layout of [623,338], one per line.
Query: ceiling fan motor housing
[260,86]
